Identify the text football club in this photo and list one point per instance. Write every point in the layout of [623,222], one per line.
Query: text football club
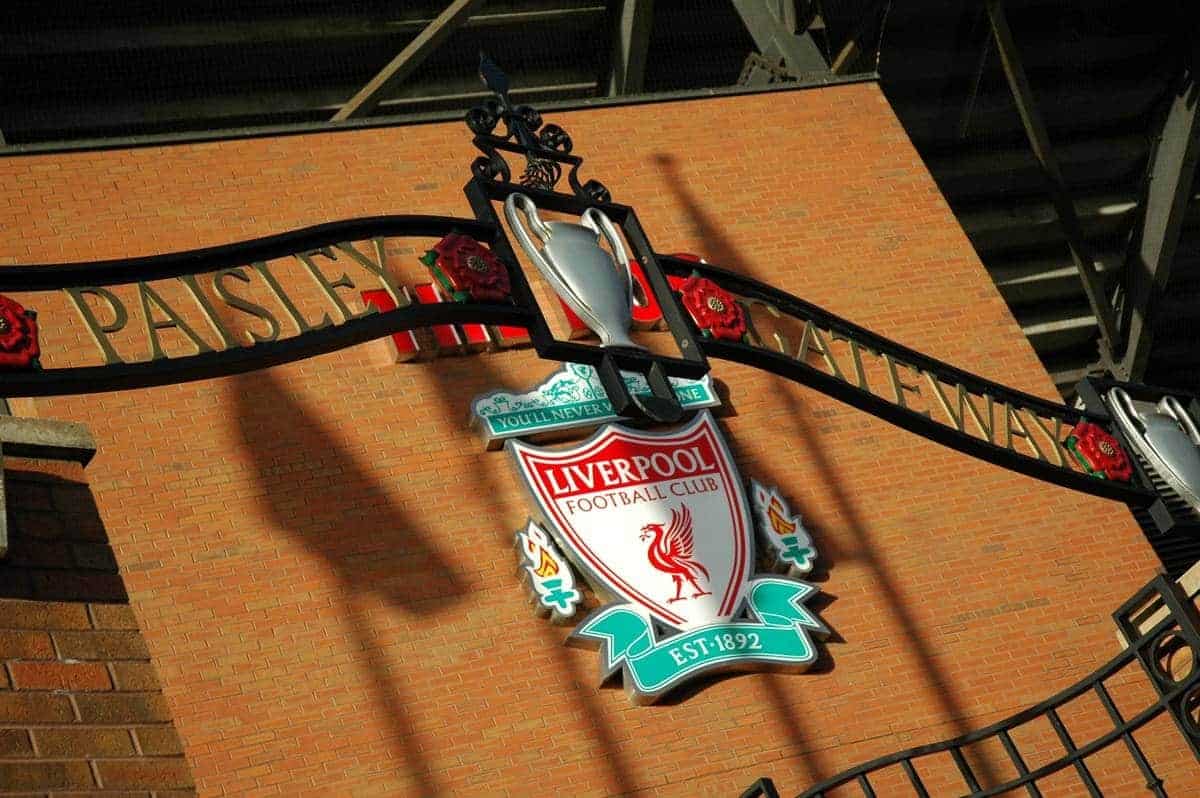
[659,526]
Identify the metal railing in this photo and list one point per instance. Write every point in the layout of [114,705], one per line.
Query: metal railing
[1177,633]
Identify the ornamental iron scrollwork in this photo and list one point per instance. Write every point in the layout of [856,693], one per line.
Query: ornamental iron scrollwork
[546,147]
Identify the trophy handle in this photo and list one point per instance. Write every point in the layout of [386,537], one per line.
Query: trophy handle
[523,204]
[595,220]
[1174,408]
[1126,413]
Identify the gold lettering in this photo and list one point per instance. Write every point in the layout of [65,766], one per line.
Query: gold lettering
[813,339]
[100,332]
[1055,440]
[856,358]
[898,387]
[957,420]
[748,304]
[210,313]
[398,294]
[1012,416]
[148,295]
[244,305]
[986,430]
[325,285]
[302,326]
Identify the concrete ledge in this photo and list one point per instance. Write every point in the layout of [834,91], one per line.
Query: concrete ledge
[42,439]
[46,439]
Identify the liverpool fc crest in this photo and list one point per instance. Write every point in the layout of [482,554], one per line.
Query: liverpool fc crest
[660,527]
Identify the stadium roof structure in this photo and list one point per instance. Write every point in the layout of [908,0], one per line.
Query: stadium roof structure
[1063,133]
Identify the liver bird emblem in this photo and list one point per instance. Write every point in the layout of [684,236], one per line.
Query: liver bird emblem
[672,552]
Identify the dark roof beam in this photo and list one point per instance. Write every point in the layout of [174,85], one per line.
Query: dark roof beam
[631,45]
[50,42]
[1039,141]
[215,111]
[412,56]
[767,23]
[1166,194]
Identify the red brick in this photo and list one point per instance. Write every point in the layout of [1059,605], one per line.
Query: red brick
[159,740]
[59,676]
[113,616]
[15,743]
[46,776]
[16,614]
[20,707]
[122,708]
[101,645]
[25,645]
[135,676]
[144,773]
[83,743]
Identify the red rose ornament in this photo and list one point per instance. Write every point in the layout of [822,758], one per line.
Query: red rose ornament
[18,336]
[1098,452]
[714,309]
[468,269]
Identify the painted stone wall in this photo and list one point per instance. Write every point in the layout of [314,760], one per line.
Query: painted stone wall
[321,554]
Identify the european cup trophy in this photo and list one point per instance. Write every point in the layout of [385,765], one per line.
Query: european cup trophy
[596,285]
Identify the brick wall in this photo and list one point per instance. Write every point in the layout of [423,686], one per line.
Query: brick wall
[321,557]
[81,708]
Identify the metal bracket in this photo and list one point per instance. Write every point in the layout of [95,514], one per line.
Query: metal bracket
[662,406]
[773,26]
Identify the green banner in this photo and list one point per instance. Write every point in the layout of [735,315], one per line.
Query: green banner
[571,397]
[653,667]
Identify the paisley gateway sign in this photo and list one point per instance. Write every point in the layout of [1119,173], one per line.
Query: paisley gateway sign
[213,298]
[223,311]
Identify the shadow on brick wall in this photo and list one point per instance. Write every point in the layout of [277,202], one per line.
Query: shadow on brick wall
[607,751]
[57,547]
[374,548]
[401,562]
[720,250]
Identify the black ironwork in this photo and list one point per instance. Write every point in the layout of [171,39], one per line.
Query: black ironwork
[609,361]
[545,147]
[786,366]
[1177,696]
[763,788]
[51,277]
[526,313]
[236,360]
[1171,525]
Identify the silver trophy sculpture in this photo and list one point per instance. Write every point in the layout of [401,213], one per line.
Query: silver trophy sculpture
[596,285]
[1166,435]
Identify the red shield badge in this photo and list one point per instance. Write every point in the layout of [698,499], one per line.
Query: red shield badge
[659,520]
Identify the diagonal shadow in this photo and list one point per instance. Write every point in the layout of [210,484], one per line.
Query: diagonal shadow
[484,467]
[376,550]
[725,253]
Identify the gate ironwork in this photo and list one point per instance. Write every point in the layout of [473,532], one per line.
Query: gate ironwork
[1178,696]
